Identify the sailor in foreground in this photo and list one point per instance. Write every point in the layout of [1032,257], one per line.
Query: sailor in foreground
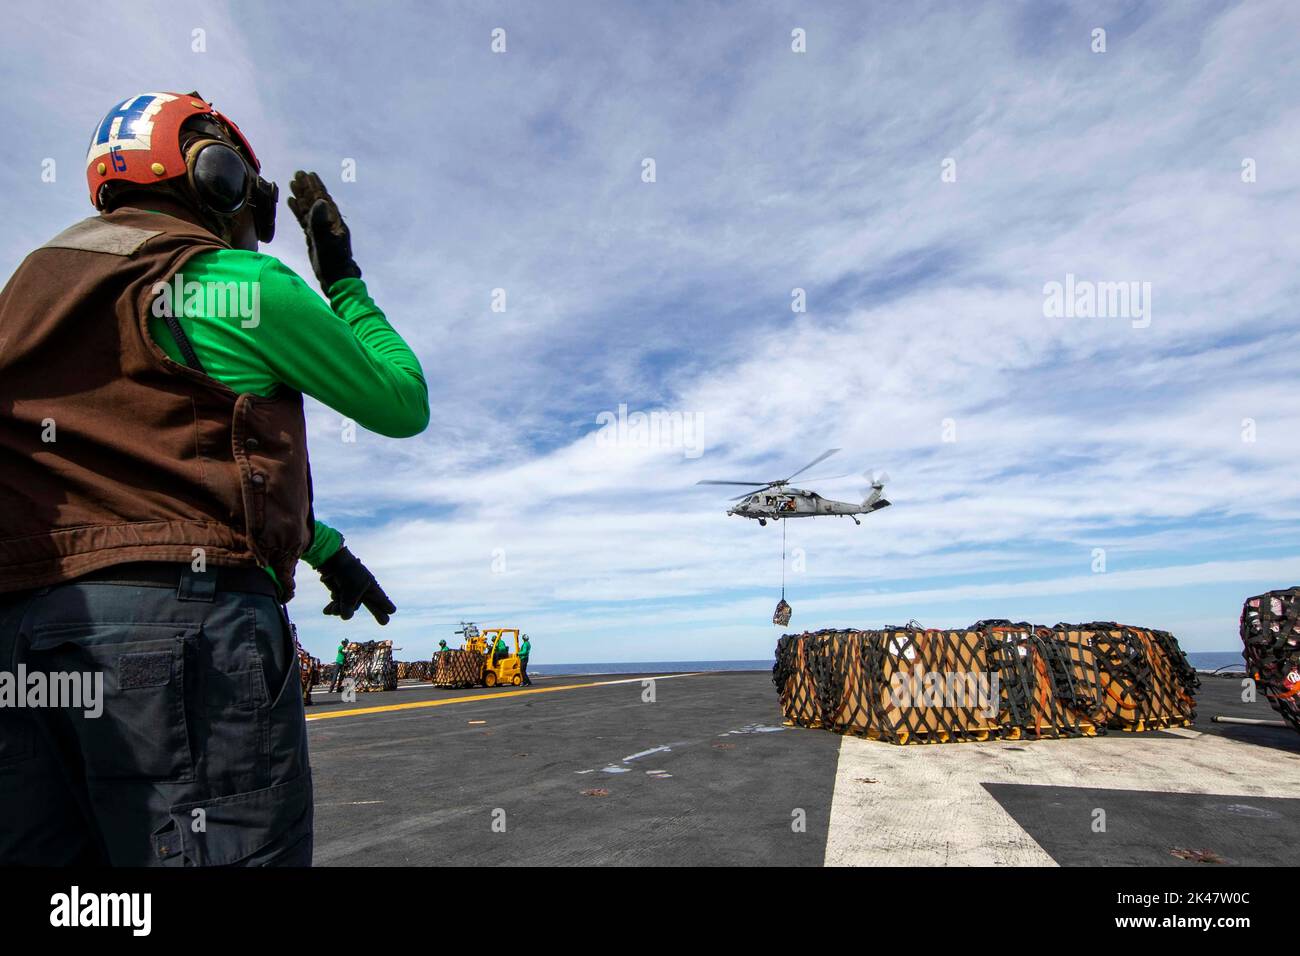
[156,497]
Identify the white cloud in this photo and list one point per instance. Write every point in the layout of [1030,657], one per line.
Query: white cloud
[777,171]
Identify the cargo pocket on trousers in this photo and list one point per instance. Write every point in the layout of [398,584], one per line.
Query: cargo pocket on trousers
[287,729]
[250,828]
[278,652]
[130,723]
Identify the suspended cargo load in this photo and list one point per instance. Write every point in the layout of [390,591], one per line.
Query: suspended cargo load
[1270,641]
[781,616]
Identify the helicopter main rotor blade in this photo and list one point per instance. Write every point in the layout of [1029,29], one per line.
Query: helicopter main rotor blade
[820,458]
[750,484]
[826,478]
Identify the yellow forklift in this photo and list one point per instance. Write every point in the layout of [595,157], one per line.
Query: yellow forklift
[503,669]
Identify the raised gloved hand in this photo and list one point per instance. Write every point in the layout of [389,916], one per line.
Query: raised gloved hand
[329,243]
[351,585]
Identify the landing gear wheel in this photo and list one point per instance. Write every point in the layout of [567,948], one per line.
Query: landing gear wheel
[517,680]
[762,522]
[490,679]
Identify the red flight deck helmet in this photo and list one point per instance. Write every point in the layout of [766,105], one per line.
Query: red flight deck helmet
[180,138]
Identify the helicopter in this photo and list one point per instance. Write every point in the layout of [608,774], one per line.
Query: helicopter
[776,500]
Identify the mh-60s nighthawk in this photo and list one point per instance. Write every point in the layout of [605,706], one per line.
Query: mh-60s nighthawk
[775,500]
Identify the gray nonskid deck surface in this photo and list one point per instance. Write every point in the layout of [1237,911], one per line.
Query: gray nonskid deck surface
[1231,790]
[1150,829]
[425,785]
[1145,827]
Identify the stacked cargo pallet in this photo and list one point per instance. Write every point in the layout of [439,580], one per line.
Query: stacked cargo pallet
[370,665]
[415,670]
[992,680]
[1042,683]
[457,668]
[308,669]
[1141,677]
[1270,637]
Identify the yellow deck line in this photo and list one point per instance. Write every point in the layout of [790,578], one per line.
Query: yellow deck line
[387,708]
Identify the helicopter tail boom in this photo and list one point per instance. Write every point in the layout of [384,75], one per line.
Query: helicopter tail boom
[874,501]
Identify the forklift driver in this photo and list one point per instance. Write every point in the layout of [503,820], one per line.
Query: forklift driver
[499,651]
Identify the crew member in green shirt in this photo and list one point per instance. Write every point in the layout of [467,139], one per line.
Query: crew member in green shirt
[499,650]
[525,649]
[90,331]
[340,665]
[342,353]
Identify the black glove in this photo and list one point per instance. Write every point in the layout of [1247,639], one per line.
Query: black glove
[351,585]
[329,243]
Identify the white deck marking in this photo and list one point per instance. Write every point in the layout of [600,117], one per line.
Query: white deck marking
[646,753]
[928,807]
[409,684]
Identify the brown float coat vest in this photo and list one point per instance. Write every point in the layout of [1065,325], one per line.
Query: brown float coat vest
[110,452]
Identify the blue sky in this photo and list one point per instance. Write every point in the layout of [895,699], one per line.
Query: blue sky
[775,171]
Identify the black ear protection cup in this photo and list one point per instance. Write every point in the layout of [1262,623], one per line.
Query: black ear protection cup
[224,182]
[218,175]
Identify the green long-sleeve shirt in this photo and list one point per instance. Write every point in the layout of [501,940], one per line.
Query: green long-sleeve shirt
[342,353]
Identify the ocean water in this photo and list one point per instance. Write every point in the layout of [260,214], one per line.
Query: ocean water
[651,667]
[1213,660]
[1201,660]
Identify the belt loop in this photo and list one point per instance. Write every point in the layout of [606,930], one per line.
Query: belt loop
[197,585]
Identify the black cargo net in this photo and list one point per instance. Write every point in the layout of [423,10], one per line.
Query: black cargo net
[994,679]
[904,685]
[1041,694]
[1125,664]
[415,670]
[370,665]
[308,667]
[1270,637]
[1075,674]
[1177,658]
[457,668]
[1145,680]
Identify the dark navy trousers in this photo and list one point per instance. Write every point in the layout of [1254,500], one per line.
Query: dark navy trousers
[199,754]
